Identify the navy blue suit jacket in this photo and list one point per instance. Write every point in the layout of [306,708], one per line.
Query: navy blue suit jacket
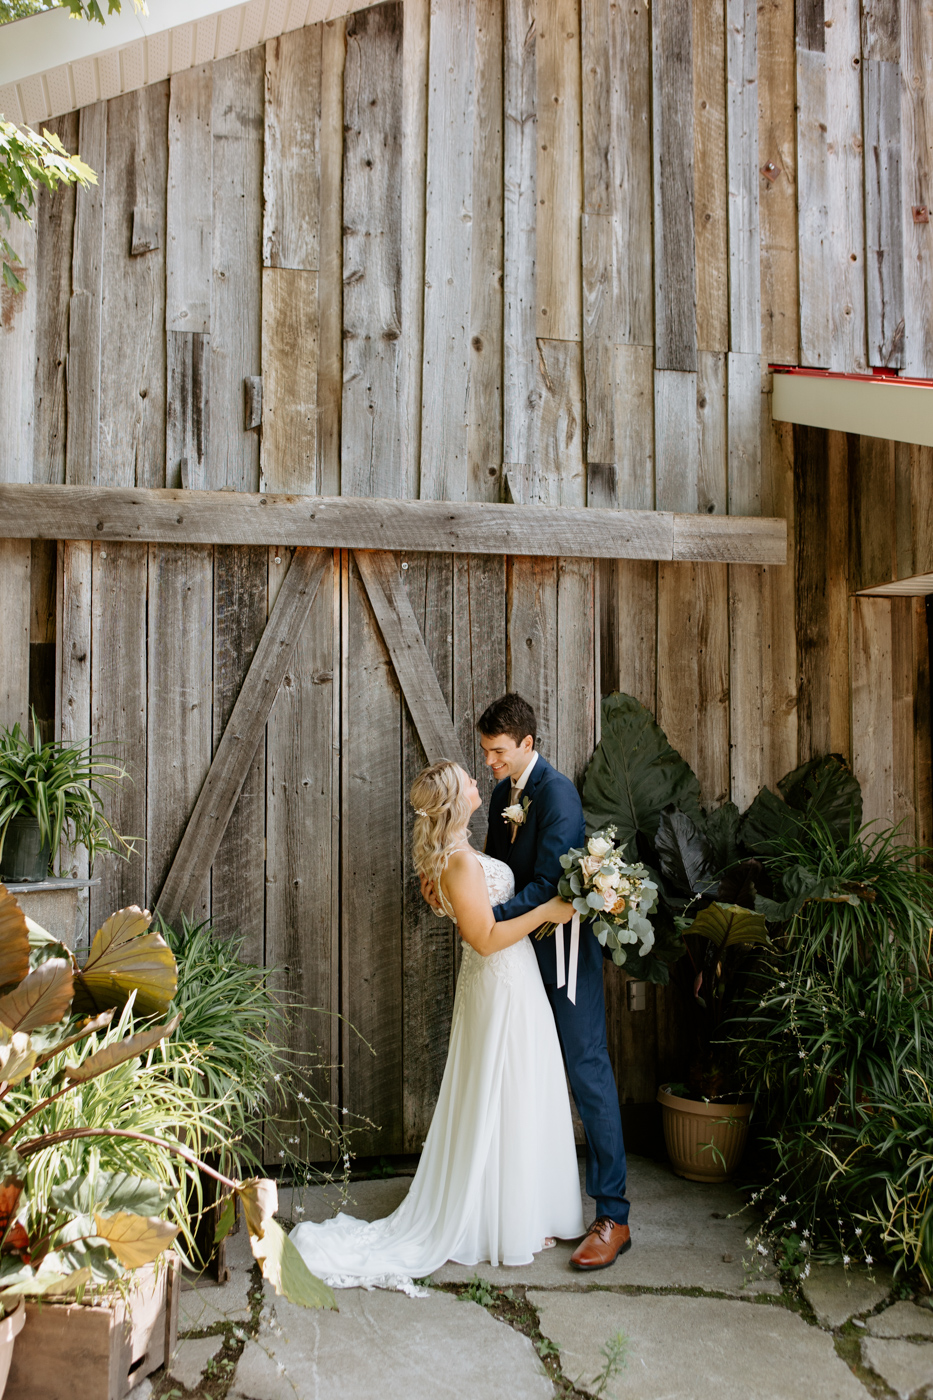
[553,823]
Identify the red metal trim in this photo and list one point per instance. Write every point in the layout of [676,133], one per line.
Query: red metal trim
[877,377]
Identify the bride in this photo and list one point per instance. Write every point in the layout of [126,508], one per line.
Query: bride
[498,1175]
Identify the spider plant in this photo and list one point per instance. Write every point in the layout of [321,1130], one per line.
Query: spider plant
[58,786]
[837,1041]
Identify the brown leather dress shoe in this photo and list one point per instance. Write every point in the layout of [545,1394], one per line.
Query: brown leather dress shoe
[601,1246]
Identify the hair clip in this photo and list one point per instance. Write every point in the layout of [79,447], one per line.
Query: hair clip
[420,812]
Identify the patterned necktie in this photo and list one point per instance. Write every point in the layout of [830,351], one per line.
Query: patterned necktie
[514,796]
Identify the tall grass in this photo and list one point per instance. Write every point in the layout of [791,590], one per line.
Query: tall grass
[838,1046]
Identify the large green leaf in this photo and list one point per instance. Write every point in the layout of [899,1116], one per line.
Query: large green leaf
[634,774]
[730,926]
[825,790]
[684,853]
[113,1192]
[43,998]
[127,956]
[278,1258]
[14,940]
[119,1052]
[722,833]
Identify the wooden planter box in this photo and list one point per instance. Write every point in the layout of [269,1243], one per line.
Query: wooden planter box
[69,1351]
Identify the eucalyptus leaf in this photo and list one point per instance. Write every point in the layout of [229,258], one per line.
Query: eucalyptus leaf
[634,774]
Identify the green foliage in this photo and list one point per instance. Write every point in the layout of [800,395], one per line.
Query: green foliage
[58,785]
[28,160]
[823,791]
[479,1291]
[238,1025]
[836,1039]
[634,775]
[615,1359]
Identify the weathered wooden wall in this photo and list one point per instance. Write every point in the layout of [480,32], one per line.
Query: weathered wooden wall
[540,250]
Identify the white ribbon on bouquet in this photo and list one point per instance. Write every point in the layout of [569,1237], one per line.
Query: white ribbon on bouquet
[574,955]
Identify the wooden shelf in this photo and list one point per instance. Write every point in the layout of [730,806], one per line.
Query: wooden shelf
[881,406]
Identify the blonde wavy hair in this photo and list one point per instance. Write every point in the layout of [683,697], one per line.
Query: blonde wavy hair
[442,813]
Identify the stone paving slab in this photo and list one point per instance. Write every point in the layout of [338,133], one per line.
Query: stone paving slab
[695,1348]
[204,1303]
[190,1358]
[685,1234]
[387,1346]
[836,1293]
[903,1320]
[906,1366]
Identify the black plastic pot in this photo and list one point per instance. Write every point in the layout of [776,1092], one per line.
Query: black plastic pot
[25,855]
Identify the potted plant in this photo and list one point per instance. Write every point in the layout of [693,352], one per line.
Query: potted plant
[708,865]
[67,1237]
[49,792]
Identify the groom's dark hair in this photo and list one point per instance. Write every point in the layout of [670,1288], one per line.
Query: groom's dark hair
[512,715]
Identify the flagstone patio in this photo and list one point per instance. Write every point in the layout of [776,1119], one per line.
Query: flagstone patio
[697,1322]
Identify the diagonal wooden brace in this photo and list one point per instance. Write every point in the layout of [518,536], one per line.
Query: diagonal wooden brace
[245,727]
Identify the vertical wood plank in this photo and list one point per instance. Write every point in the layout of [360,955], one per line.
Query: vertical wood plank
[132,361]
[448,249]
[846,188]
[873,544]
[815,285]
[74,684]
[531,661]
[558,470]
[235,350]
[778,194]
[479,657]
[744,434]
[118,708]
[179,710]
[301,933]
[872,718]
[292,150]
[18,317]
[559,172]
[917,186]
[84,347]
[713,682]
[630,51]
[903,809]
[884,224]
[576,658]
[428,943]
[674,258]
[289,380]
[636,606]
[520,386]
[238,872]
[779,664]
[188,254]
[920,727]
[55,219]
[372,882]
[484,408]
[330,286]
[678,643]
[370,435]
[712,474]
[714,193]
[188,409]
[742,126]
[676,441]
[15,567]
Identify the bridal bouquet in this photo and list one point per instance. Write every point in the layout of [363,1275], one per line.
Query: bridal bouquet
[613,895]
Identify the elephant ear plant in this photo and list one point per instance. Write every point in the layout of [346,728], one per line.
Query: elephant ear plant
[96,1226]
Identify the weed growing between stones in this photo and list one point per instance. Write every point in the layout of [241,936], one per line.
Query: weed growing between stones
[848,1349]
[615,1360]
[218,1375]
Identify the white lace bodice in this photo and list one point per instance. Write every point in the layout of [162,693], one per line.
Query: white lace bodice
[510,963]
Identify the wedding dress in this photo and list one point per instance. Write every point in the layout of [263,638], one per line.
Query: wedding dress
[498,1173]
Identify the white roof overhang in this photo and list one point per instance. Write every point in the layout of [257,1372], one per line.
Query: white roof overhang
[51,64]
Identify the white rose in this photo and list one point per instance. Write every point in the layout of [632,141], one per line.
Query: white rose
[598,846]
[515,813]
[590,865]
[604,884]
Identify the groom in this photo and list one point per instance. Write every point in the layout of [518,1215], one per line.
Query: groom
[545,820]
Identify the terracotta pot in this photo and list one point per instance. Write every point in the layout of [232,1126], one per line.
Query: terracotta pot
[689,1126]
[10,1328]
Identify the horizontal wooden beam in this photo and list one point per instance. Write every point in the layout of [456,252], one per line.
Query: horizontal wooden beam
[353,522]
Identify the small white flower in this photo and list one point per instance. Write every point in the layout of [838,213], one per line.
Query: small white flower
[846,1260]
[793,1225]
[762,1249]
[344,1111]
[299,1210]
[748,1244]
[276,1077]
[806,1233]
[784,1200]
[281,1151]
[782,984]
[806,1272]
[801,1054]
[869,1259]
[858,1229]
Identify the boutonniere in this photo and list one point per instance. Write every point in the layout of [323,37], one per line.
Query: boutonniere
[516,815]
